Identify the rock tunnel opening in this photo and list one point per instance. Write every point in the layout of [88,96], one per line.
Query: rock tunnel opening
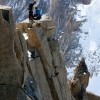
[5,14]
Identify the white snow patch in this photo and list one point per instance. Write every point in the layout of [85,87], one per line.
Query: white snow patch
[94,85]
[93,46]
[25,36]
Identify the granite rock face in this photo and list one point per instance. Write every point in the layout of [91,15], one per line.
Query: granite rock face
[40,77]
[11,72]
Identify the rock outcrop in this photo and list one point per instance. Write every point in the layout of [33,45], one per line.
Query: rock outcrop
[92,96]
[43,76]
[11,72]
[79,83]
[85,2]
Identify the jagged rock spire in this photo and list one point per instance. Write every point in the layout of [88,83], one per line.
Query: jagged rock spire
[80,69]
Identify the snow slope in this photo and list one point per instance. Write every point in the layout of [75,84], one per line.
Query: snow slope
[90,42]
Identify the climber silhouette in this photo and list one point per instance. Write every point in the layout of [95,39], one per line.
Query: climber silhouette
[30,8]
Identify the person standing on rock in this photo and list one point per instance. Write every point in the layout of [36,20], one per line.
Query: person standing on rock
[30,8]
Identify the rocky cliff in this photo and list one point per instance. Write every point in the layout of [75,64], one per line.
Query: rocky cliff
[43,75]
[62,12]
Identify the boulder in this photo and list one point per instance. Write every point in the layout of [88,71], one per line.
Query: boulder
[23,26]
[48,25]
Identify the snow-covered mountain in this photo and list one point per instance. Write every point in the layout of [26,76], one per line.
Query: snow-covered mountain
[90,42]
[90,37]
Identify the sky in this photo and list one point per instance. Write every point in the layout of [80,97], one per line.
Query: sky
[90,40]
